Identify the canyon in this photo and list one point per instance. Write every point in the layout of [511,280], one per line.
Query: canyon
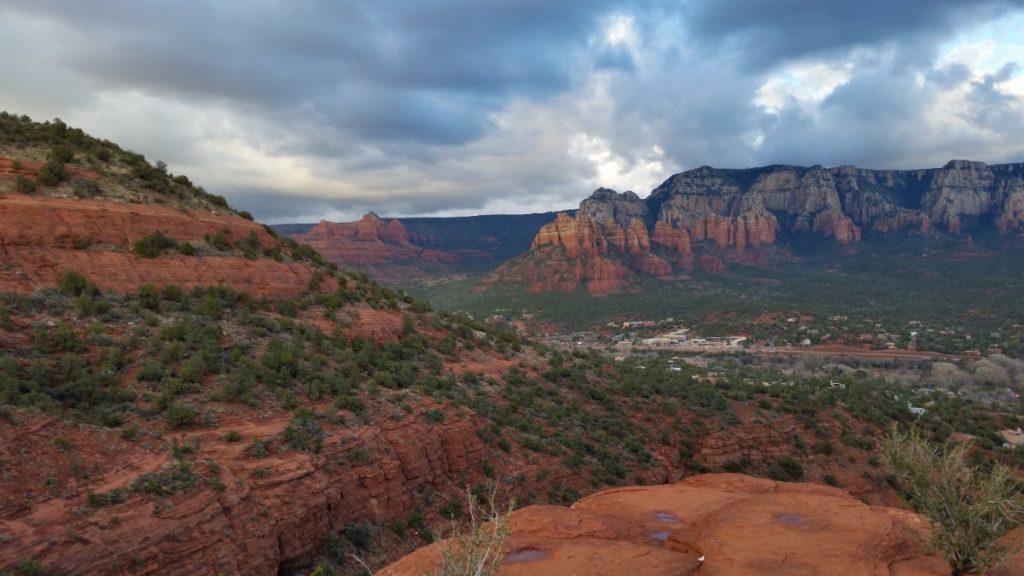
[182,390]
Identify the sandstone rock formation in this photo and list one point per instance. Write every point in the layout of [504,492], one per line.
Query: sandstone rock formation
[385,249]
[720,524]
[41,238]
[271,511]
[369,240]
[707,217]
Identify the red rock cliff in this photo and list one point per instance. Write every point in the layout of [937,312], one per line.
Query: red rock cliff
[273,511]
[371,240]
[41,238]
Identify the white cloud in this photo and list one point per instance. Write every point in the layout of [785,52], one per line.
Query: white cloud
[806,83]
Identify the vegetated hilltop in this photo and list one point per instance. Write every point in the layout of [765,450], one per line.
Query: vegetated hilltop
[399,251]
[706,218]
[71,202]
[193,415]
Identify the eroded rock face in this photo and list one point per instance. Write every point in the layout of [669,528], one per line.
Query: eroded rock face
[272,511]
[41,238]
[705,218]
[740,526]
[371,241]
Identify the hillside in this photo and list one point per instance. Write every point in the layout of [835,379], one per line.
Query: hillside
[181,391]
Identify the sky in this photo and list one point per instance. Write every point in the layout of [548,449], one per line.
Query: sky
[302,110]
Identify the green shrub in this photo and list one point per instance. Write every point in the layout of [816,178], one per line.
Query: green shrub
[360,534]
[52,173]
[74,284]
[220,240]
[180,414]
[85,188]
[824,447]
[250,246]
[24,185]
[153,245]
[172,293]
[970,509]
[453,509]
[335,549]
[149,297]
[171,479]
[258,448]
[30,568]
[304,432]
[210,306]
[62,154]
[115,496]
[358,456]
[787,469]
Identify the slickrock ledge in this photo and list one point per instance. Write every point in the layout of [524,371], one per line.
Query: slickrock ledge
[712,525]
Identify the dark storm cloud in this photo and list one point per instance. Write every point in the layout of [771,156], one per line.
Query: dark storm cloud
[312,207]
[766,32]
[293,108]
[410,70]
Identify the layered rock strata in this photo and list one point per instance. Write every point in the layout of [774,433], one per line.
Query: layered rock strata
[707,217]
[42,238]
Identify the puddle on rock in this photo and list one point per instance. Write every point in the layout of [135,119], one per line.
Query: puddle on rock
[660,536]
[524,555]
[666,518]
[791,519]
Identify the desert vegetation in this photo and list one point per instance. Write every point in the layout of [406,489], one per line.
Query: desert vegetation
[970,509]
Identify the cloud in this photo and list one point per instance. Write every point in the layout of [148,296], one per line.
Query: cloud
[298,109]
[769,32]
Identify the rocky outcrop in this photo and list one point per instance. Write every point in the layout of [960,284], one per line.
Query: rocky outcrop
[368,241]
[707,217]
[269,512]
[386,250]
[41,238]
[711,525]
[595,250]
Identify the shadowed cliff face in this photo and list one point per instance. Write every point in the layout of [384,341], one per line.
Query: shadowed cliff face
[707,217]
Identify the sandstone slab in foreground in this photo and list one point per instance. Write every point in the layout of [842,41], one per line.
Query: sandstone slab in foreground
[741,526]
